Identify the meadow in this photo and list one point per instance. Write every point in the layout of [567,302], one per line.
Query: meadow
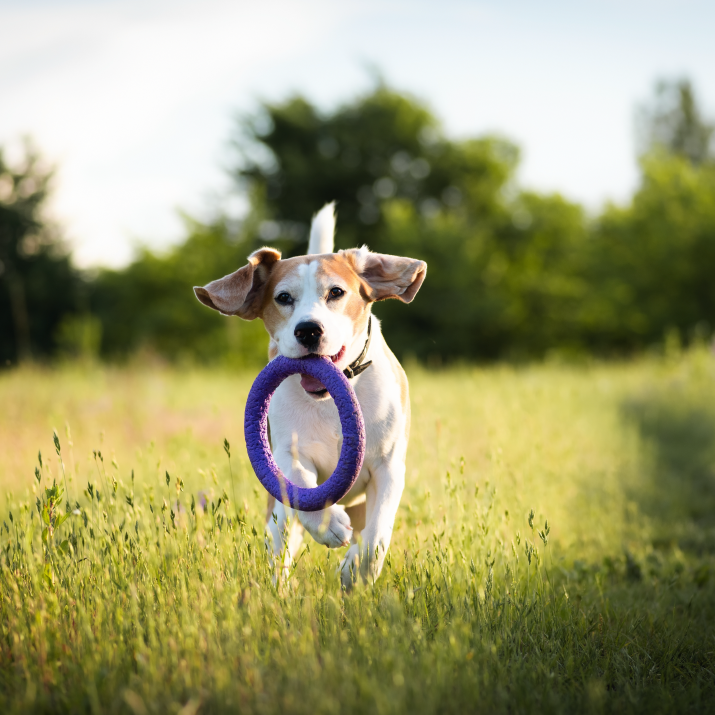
[554,551]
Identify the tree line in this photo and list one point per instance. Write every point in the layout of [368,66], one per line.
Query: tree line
[512,274]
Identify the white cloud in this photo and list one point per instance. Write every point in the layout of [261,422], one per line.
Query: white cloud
[102,86]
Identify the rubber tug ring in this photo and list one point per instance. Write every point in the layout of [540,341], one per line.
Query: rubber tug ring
[256,433]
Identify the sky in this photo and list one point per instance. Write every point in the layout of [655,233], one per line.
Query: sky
[135,102]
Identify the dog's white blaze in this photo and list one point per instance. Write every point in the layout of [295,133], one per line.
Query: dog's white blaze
[310,304]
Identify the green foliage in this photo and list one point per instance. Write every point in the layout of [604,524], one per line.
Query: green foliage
[673,122]
[512,274]
[381,146]
[150,305]
[509,290]
[401,188]
[38,285]
[554,552]
[651,260]
[501,278]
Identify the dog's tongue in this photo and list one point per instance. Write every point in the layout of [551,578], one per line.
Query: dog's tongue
[311,384]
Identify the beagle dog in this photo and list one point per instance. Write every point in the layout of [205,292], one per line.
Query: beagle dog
[321,304]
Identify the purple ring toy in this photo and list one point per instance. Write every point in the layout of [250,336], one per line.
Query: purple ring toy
[256,433]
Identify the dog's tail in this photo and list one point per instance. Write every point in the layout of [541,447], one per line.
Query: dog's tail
[322,230]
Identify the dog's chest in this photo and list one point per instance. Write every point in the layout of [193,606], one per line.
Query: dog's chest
[321,443]
[323,447]
[313,427]
[310,426]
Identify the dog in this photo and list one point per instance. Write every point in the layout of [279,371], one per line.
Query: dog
[321,304]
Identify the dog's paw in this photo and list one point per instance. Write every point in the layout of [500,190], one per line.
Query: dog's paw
[349,568]
[330,527]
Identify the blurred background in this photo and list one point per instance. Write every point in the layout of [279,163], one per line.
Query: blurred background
[553,163]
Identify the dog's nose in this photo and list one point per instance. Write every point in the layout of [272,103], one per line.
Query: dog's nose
[308,334]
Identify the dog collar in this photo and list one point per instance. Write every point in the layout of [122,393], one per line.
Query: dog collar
[357,366]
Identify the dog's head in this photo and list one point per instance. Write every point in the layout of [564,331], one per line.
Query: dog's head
[315,304]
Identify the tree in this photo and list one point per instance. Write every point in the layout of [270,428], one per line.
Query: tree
[651,261]
[380,147]
[673,122]
[495,256]
[38,285]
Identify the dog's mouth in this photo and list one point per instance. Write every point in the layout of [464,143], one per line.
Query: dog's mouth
[314,386]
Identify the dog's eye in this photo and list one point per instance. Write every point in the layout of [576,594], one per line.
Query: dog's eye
[337,292]
[284,298]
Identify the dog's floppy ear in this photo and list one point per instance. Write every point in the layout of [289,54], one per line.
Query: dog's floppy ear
[387,276]
[241,293]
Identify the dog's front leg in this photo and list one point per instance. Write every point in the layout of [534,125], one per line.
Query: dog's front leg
[330,527]
[384,491]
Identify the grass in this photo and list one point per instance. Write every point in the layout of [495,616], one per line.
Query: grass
[142,602]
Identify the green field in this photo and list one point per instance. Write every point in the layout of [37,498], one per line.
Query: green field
[142,602]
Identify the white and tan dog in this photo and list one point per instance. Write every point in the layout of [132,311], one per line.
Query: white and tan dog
[321,304]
